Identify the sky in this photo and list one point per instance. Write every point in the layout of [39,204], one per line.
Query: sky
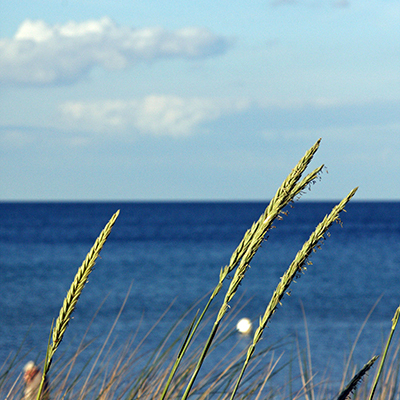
[207,100]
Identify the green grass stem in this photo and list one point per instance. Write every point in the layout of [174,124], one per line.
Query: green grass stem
[242,256]
[72,298]
[383,358]
[296,267]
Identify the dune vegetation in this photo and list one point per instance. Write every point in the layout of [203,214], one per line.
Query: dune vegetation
[172,371]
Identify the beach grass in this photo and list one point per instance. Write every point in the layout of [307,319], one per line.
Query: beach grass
[172,370]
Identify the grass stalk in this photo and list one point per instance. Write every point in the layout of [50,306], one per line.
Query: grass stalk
[290,188]
[383,358]
[72,298]
[296,267]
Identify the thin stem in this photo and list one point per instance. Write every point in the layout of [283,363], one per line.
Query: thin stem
[378,374]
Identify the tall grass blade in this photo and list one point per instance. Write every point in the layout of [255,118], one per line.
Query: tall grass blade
[179,358]
[394,323]
[106,340]
[296,267]
[72,298]
[353,347]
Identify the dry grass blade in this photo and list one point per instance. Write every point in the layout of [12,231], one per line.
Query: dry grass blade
[350,357]
[296,267]
[356,379]
[72,297]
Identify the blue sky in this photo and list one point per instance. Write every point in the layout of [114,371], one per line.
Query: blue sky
[208,100]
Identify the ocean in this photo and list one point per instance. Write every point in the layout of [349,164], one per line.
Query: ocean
[167,256]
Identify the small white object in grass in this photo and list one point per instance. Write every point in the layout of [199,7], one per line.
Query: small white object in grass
[244,326]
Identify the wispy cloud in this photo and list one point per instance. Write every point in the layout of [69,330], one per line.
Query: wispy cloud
[313,3]
[156,118]
[154,114]
[283,2]
[14,138]
[175,116]
[341,3]
[43,54]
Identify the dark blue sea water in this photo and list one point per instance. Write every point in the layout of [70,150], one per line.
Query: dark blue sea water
[171,254]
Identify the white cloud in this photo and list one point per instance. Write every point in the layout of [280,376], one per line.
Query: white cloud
[155,114]
[43,54]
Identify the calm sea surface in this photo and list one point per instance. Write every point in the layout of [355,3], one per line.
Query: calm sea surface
[170,254]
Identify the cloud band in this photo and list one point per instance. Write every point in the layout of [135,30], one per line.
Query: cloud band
[43,54]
